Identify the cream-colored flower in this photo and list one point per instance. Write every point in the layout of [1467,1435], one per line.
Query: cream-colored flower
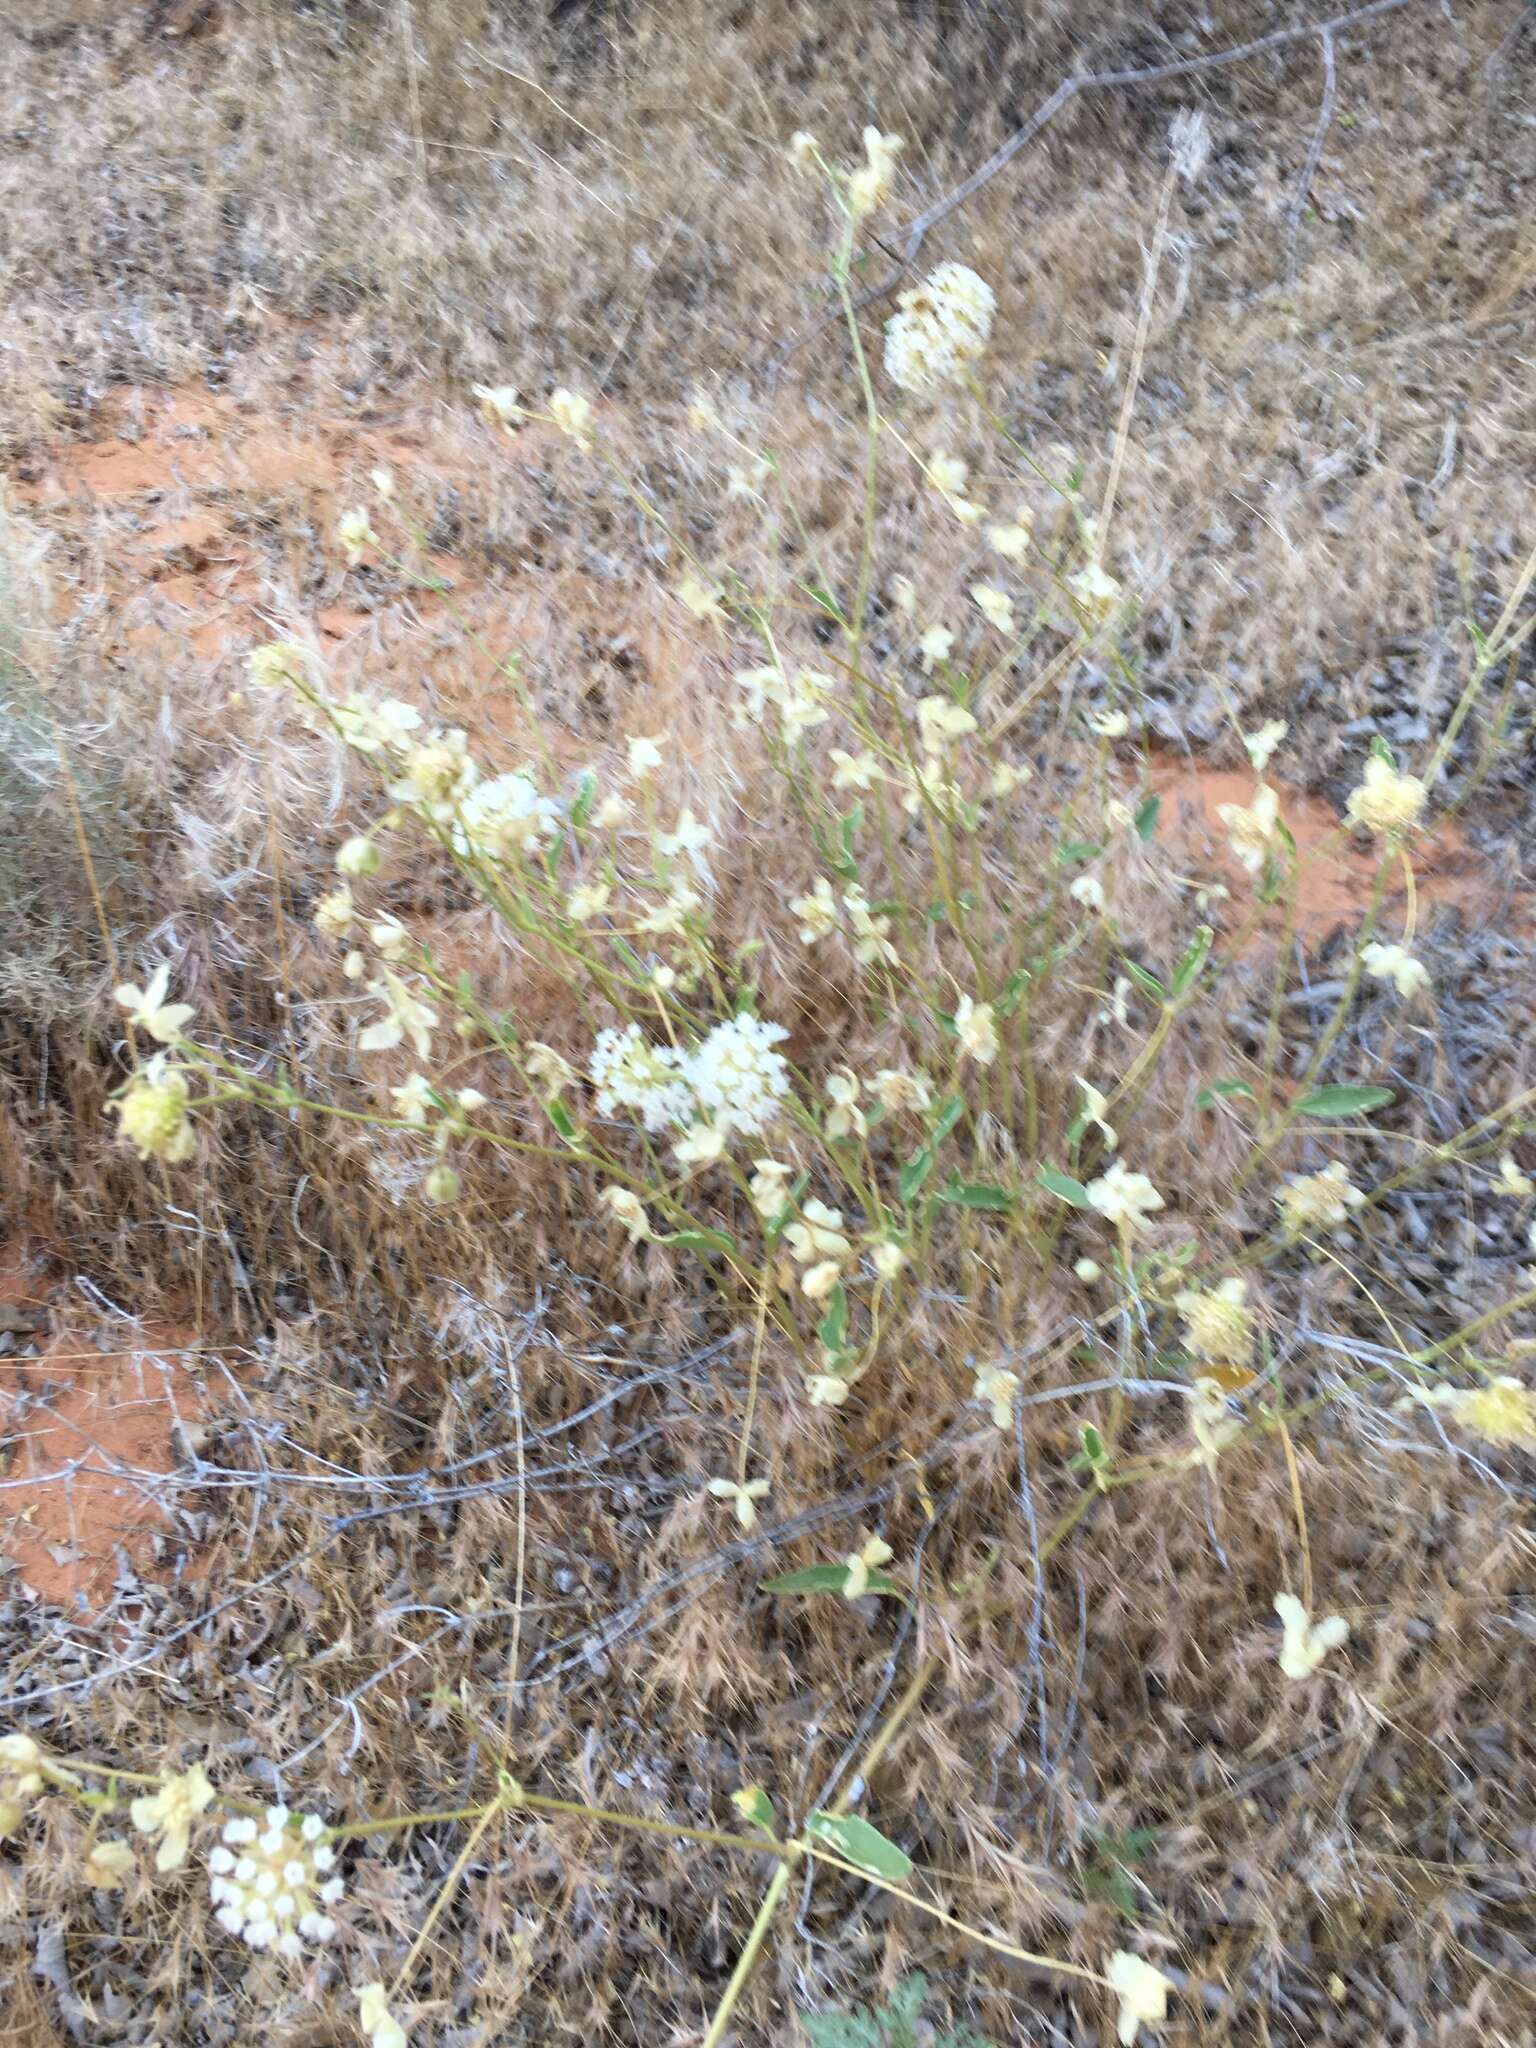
[572,414]
[389,937]
[1007,776]
[1012,541]
[1110,725]
[861,1563]
[702,599]
[413,1100]
[817,1233]
[152,1113]
[995,606]
[940,719]
[358,856]
[548,1070]
[586,901]
[948,474]
[170,1812]
[817,912]
[1318,1201]
[1211,1424]
[746,479]
[887,1257]
[376,2020]
[1395,964]
[898,1091]
[1502,1411]
[1094,1106]
[1253,829]
[1511,1180]
[743,1496]
[277,663]
[769,1188]
[1089,891]
[21,1779]
[273,1881]
[1095,591]
[976,1031]
[469,1100]
[701,1146]
[1088,1271]
[997,1387]
[1123,1198]
[148,1009]
[872,939]
[335,913]
[440,1185]
[355,531]
[629,1210]
[108,1864]
[803,149]
[817,1282]
[804,704]
[1262,744]
[846,1119]
[826,1390]
[498,403]
[369,728]
[1219,1321]
[855,771]
[1386,801]
[869,186]
[610,813]
[939,330]
[1142,1992]
[405,1016]
[934,647]
[645,756]
[1305,1642]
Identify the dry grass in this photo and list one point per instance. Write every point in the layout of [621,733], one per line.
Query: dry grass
[518,1411]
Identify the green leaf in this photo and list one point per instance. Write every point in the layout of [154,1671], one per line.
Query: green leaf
[1073,851]
[1328,1102]
[852,1838]
[700,1240]
[1055,1182]
[833,1328]
[1147,983]
[914,1173]
[1207,1098]
[753,1804]
[586,795]
[561,1118]
[828,603]
[824,1578]
[976,1194]
[949,1115]
[852,822]
[1008,998]
[1093,1444]
[1147,814]
[1190,966]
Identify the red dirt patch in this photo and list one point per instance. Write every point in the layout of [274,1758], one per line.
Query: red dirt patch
[85,1437]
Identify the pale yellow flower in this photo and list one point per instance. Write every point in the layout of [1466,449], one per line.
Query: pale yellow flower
[1094,1106]
[1253,829]
[904,595]
[1012,541]
[861,1563]
[645,756]
[148,1009]
[1211,1424]
[934,647]
[855,771]
[1318,1201]
[887,1257]
[817,912]
[1089,891]
[383,481]
[1262,744]
[871,933]
[355,532]
[413,1100]
[743,1496]
[1008,776]
[996,1386]
[406,1016]
[1386,801]
[701,1146]
[1305,1643]
[1088,1270]
[817,1234]
[941,718]
[818,1281]
[1123,1198]
[275,663]
[389,937]
[702,599]
[803,149]
[376,2020]
[1502,1411]
[1511,1180]
[629,1210]
[704,414]
[976,1031]
[610,813]
[869,186]
[170,1812]
[1110,725]
[826,1390]
[939,329]
[1395,964]
[108,1864]
[898,1091]
[846,1119]
[996,607]
[440,1185]
[947,474]
[358,856]
[1220,1323]
[21,1779]
[152,1113]
[1095,590]
[498,403]
[586,901]
[548,1070]
[1142,1992]
[769,1188]
[572,415]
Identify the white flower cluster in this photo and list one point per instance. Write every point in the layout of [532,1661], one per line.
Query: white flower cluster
[271,1882]
[942,327]
[504,816]
[733,1079]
